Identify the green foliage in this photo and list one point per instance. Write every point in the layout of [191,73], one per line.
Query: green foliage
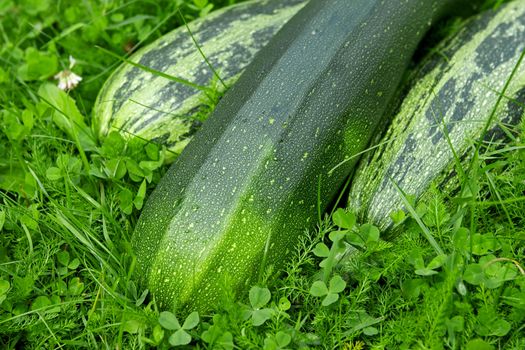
[259,297]
[37,65]
[181,336]
[330,292]
[69,202]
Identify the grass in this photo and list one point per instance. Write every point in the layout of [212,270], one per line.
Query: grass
[69,203]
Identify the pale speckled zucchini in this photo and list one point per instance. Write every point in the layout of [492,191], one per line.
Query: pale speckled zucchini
[460,93]
[154,108]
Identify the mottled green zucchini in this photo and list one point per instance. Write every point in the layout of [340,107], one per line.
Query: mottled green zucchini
[457,89]
[246,188]
[149,106]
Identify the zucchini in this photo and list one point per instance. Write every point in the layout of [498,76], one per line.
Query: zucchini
[154,108]
[246,188]
[457,90]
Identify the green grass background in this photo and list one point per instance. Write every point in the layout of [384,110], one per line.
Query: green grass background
[68,207]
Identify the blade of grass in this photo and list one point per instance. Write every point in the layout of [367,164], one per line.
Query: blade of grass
[494,188]
[200,51]
[154,71]
[421,224]
[495,108]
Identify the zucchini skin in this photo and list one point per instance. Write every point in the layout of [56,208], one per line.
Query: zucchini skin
[245,189]
[460,93]
[136,102]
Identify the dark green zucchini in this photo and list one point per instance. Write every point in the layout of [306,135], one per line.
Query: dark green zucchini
[457,89]
[246,187]
[136,102]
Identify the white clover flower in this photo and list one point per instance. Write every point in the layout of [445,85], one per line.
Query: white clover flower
[68,80]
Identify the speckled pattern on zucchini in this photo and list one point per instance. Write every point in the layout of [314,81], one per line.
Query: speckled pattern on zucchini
[244,190]
[458,93]
[140,103]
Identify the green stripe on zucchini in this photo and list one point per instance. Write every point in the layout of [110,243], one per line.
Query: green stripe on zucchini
[458,90]
[245,189]
[140,103]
